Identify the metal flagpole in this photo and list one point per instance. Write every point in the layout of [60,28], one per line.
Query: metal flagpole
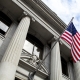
[31,74]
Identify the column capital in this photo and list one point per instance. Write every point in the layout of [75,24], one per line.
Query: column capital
[27,15]
[53,39]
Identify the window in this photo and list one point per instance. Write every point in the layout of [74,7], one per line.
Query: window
[64,66]
[28,46]
[33,46]
[5,22]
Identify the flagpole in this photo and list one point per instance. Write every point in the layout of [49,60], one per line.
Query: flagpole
[31,75]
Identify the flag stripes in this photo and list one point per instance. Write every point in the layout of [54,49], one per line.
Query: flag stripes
[76,47]
[72,37]
[67,36]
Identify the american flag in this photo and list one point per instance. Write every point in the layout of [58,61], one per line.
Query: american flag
[72,37]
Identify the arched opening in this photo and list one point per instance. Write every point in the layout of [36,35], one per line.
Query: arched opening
[33,46]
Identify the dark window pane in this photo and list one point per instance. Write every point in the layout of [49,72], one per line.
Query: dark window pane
[35,41]
[5,22]
[2,32]
[17,79]
[5,19]
[64,66]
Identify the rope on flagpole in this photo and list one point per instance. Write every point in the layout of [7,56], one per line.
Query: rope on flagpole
[31,74]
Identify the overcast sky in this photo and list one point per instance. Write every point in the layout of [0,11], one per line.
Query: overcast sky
[66,9]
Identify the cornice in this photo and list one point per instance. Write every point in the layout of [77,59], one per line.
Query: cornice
[30,12]
[50,12]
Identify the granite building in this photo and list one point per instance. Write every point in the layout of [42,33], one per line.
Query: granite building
[28,30]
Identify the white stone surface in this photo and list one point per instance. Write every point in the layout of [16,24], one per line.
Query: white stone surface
[70,71]
[7,70]
[12,55]
[65,78]
[77,70]
[23,71]
[1,41]
[56,70]
[7,39]
[26,73]
[47,60]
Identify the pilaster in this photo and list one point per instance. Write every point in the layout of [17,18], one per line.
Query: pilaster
[70,71]
[47,60]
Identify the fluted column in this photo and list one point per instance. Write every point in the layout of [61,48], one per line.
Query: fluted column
[7,39]
[77,70]
[12,55]
[56,70]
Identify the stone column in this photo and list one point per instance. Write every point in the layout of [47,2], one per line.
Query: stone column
[77,70]
[12,55]
[56,70]
[7,39]
[70,71]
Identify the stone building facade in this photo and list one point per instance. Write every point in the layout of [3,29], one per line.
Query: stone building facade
[28,30]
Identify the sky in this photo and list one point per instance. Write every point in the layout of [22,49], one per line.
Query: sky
[3,26]
[66,9]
